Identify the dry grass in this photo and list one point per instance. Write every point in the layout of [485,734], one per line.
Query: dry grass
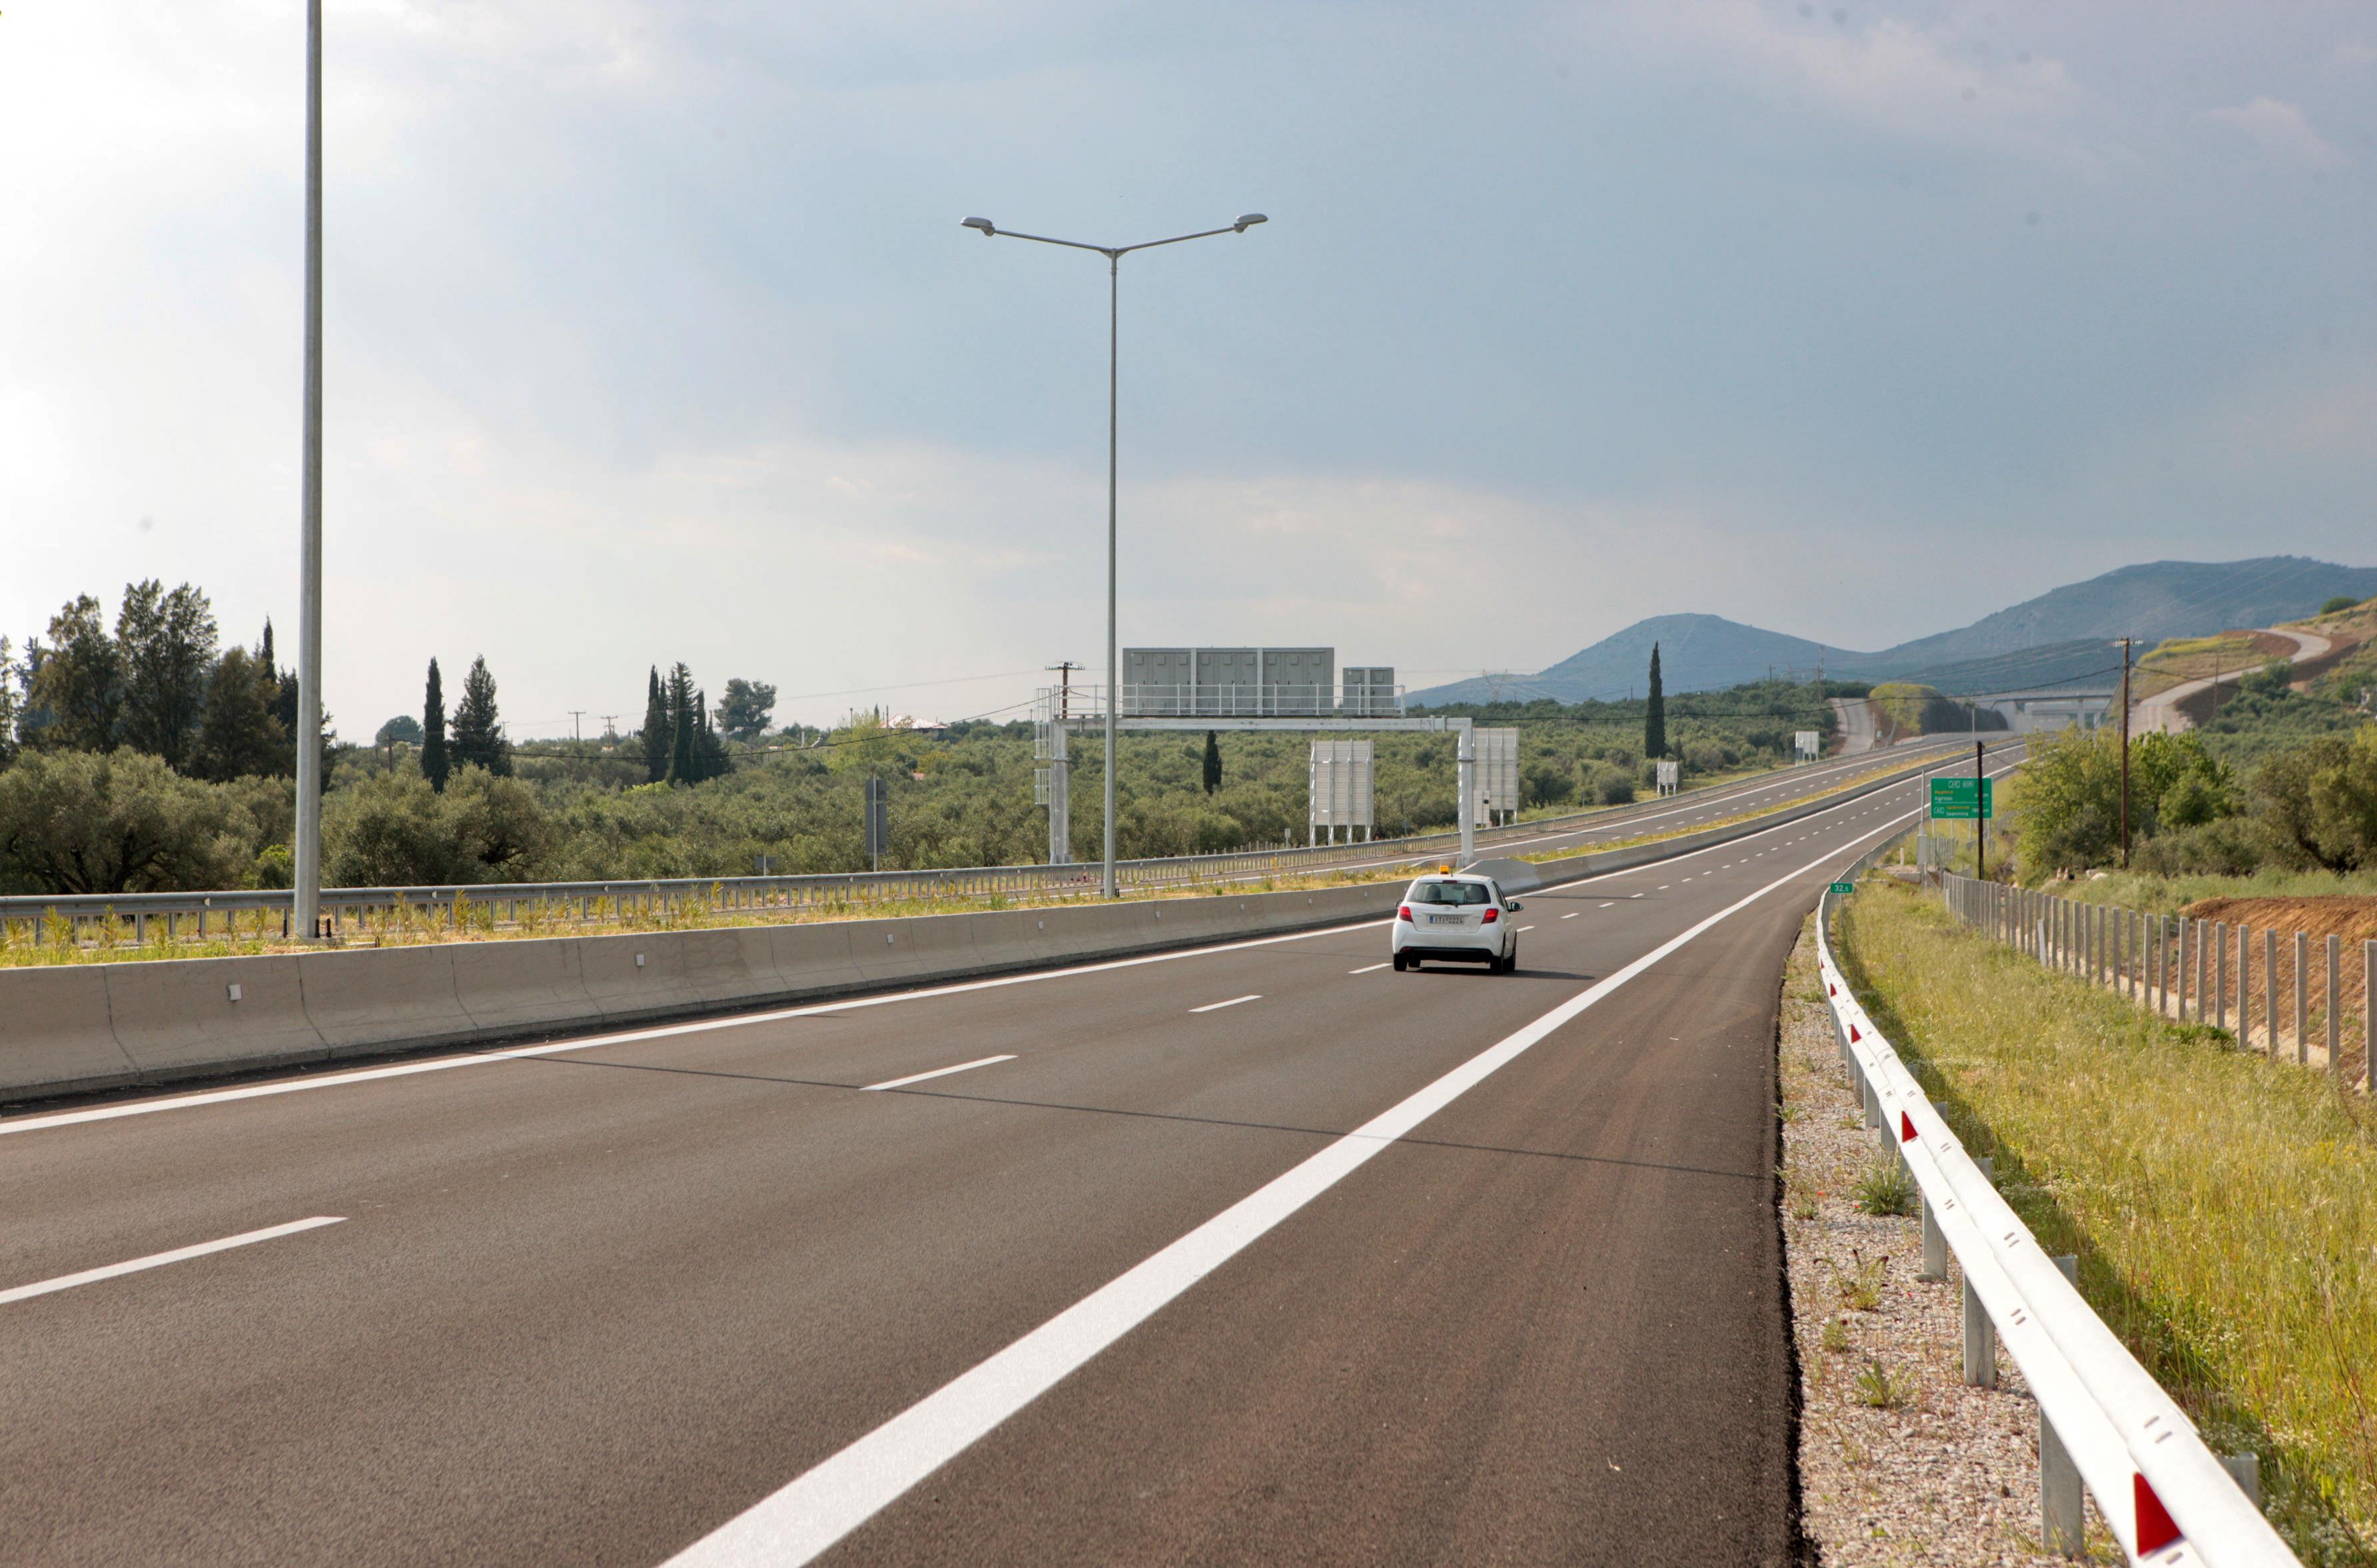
[2189,659]
[2224,1207]
[25,943]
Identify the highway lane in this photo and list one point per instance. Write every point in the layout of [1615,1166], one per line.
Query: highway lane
[1699,808]
[588,1305]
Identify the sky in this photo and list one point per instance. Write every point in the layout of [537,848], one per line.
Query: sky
[652,333]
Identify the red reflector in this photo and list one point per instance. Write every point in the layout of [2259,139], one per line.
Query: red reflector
[1403,913]
[1905,1128]
[1493,915]
[2155,1528]
[1831,990]
[1854,1035]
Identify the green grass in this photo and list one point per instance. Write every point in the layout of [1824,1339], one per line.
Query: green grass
[1886,1187]
[2223,1206]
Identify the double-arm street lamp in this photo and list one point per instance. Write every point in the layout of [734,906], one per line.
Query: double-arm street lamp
[1114,255]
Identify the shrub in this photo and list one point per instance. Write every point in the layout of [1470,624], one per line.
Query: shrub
[116,822]
[395,830]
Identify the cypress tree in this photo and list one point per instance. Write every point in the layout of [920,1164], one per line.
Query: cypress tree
[1655,713]
[657,731]
[478,730]
[1213,762]
[435,763]
[684,721]
[710,752]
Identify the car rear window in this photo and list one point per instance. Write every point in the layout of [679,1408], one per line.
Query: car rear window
[1451,893]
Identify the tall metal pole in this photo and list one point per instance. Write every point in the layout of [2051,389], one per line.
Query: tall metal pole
[1980,818]
[2125,754]
[1113,664]
[1114,255]
[308,912]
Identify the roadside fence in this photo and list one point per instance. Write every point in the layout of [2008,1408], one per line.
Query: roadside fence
[2105,1425]
[2288,993]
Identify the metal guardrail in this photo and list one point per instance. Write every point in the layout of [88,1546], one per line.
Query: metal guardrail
[2104,1422]
[265,911]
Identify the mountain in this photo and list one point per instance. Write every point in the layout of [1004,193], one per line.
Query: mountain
[2163,598]
[2058,636]
[1697,653]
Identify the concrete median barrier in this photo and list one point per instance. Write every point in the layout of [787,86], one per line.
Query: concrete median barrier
[810,959]
[378,999]
[509,987]
[634,975]
[923,947]
[55,1031]
[184,1015]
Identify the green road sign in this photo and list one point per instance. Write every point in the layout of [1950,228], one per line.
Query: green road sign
[1844,887]
[1962,800]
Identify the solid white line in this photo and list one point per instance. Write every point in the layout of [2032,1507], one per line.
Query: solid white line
[1232,1001]
[1367,969]
[936,1072]
[158,1259]
[814,1511]
[738,1020]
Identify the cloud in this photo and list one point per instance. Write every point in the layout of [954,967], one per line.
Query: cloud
[1928,83]
[2280,130]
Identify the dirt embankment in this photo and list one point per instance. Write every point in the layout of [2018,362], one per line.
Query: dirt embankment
[2350,916]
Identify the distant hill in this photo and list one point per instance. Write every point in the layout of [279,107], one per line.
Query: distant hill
[2060,635]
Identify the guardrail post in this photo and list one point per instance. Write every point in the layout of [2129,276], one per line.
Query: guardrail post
[1872,1102]
[2245,1470]
[1935,1245]
[2061,1515]
[2245,986]
[1980,1338]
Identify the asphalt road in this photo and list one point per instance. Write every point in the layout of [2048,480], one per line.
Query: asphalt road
[1352,1267]
[1697,808]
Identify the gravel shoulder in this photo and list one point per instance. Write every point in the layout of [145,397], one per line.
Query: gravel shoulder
[1900,1461]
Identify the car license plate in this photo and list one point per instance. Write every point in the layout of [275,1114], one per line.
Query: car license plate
[1444,919]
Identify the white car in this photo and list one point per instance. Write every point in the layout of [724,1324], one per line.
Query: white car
[1456,919]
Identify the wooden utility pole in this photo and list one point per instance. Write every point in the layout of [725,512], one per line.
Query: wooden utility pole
[1981,817]
[2125,754]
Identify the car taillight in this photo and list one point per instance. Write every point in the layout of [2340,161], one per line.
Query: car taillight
[1493,915]
[1403,913]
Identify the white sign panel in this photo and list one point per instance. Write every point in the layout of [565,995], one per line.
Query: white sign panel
[1498,773]
[1341,793]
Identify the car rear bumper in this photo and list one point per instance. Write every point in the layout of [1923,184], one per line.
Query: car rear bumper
[1455,955]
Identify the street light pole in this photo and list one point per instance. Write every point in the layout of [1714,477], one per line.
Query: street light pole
[1114,656]
[307,913]
[1114,255]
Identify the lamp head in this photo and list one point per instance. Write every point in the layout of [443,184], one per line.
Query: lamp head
[1247,220]
[984,224]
